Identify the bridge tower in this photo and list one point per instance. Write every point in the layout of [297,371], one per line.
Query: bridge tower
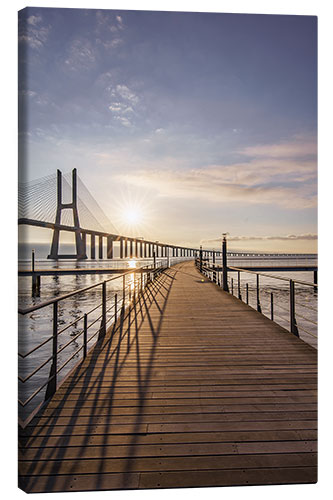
[80,247]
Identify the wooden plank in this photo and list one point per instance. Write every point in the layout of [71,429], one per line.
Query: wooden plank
[66,454]
[233,422]
[229,478]
[156,438]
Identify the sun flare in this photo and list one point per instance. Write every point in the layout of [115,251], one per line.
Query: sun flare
[133,216]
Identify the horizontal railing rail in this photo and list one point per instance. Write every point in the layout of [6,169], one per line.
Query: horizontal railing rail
[110,308]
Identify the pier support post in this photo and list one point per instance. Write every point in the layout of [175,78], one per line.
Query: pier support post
[35,291]
[35,283]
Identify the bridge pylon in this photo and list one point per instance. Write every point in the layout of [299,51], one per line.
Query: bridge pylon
[79,243]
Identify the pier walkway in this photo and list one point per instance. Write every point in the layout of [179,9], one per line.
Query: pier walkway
[191,388]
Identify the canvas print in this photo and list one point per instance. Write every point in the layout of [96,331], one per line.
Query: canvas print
[167,218]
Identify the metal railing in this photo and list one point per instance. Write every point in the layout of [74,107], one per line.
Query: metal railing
[111,306]
[241,290]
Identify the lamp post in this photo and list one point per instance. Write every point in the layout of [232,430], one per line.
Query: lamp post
[224,262]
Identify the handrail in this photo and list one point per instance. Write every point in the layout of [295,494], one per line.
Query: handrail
[213,274]
[28,310]
[271,276]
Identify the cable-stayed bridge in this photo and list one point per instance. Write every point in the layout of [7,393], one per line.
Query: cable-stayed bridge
[64,203]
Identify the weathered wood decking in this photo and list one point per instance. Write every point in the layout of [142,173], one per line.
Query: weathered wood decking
[195,389]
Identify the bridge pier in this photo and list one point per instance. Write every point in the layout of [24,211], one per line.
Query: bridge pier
[92,246]
[109,246]
[121,248]
[84,242]
[80,251]
[100,247]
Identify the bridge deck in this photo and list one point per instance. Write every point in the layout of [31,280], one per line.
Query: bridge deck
[195,389]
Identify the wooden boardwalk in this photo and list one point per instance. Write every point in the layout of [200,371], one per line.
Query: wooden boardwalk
[195,389]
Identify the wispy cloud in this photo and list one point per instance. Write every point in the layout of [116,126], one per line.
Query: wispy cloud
[122,105]
[81,55]
[108,21]
[298,148]
[32,31]
[273,178]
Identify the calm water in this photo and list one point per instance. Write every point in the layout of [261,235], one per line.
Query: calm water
[36,327]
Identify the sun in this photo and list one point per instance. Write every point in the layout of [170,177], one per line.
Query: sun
[133,212]
[132,216]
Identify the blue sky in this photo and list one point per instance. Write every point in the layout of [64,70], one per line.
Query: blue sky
[205,123]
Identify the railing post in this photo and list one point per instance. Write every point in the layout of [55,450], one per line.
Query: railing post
[102,330]
[247,293]
[52,384]
[232,286]
[115,308]
[258,297]
[85,332]
[293,324]
[224,264]
[272,307]
[124,290]
[239,289]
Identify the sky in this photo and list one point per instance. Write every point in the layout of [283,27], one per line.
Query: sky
[183,126]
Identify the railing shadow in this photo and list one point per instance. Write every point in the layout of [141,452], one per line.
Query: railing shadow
[105,365]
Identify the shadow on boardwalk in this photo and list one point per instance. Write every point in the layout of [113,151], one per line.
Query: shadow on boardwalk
[104,367]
